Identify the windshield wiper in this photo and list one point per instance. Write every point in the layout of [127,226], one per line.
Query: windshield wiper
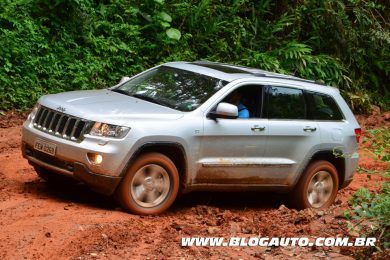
[141,96]
[150,99]
[120,91]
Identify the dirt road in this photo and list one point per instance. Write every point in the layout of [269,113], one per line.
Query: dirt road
[42,221]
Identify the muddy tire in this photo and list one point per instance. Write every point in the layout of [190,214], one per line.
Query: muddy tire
[53,177]
[317,188]
[150,185]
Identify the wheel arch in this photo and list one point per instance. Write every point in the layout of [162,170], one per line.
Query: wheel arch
[334,157]
[174,151]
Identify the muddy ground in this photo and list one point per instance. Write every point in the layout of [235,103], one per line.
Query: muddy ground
[42,221]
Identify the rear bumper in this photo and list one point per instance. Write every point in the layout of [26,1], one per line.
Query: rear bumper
[345,184]
[100,183]
[351,164]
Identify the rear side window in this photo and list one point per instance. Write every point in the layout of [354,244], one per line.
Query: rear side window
[323,107]
[286,103]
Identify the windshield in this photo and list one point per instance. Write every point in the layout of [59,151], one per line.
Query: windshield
[175,88]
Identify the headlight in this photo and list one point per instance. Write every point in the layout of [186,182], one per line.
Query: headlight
[34,111]
[107,130]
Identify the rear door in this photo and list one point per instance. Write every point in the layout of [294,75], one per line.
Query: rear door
[290,135]
[325,111]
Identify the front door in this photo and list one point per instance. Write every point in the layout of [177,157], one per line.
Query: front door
[232,150]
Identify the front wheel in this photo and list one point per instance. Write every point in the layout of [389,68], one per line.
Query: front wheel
[150,186]
[318,186]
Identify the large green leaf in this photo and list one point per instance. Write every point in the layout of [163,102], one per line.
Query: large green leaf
[173,33]
[164,17]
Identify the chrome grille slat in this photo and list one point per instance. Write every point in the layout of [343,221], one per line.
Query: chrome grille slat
[65,128]
[39,114]
[46,118]
[81,129]
[64,119]
[60,124]
[50,117]
[69,128]
[52,122]
[42,119]
[74,128]
[55,122]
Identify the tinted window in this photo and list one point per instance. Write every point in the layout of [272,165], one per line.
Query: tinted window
[323,107]
[286,103]
[249,99]
[172,87]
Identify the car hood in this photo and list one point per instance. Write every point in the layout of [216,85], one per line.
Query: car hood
[107,106]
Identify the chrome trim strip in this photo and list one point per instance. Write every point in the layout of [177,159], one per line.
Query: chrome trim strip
[263,165]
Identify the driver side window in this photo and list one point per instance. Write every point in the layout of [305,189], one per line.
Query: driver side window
[248,100]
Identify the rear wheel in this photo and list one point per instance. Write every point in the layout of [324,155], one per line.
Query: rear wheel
[150,186]
[318,186]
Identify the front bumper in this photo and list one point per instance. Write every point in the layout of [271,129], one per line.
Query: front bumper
[71,158]
[100,183]
[114,151]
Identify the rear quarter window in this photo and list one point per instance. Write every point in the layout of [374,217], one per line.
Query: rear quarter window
[323,107]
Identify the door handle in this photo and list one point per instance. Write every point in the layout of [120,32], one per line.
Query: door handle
[258,128]
[309,128]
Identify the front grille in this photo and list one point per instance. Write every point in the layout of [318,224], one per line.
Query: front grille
[60,124]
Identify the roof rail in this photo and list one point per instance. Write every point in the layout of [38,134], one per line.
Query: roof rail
[252,71]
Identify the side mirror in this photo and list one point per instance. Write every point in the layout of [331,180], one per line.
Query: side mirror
[224,110]
[123,79]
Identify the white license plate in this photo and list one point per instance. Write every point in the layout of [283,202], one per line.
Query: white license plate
[45,147]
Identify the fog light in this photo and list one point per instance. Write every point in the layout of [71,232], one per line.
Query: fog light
[95,158]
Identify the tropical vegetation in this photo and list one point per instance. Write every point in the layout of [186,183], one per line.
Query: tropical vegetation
[62,45]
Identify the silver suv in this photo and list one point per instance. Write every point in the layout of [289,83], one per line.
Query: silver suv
[186,126]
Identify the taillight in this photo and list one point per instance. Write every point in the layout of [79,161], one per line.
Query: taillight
[358,133]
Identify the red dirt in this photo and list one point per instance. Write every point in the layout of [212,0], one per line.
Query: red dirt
[42,221]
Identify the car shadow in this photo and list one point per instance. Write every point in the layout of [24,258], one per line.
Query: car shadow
[79,193]
[68,192]
[231,200]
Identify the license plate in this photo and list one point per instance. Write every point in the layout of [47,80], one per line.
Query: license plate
[45,147]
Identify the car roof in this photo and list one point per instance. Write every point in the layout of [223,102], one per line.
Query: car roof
[229,72]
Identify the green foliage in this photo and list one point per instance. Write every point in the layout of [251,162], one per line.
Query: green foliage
[375,207]
[359,202]
[62,45]
[380,146]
